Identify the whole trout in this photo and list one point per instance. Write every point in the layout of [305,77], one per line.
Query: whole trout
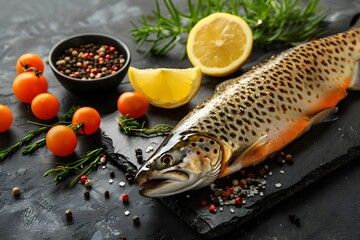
[252,116]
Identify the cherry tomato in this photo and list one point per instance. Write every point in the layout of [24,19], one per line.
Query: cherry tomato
[45,106]
[61,140]
[27,85]
[6,118]
[28,61]
[133,104]
[90,117]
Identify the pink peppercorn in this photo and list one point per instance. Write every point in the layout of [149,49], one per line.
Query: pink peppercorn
[212,208]
[238,201]
[125,197]
[83,178]
[204,203]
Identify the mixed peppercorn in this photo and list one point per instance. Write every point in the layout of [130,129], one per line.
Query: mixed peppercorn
[90,61]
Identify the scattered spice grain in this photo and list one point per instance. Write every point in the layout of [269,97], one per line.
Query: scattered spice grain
[87,194]
[107,194]
[68,214]
[136,219]
[16,192]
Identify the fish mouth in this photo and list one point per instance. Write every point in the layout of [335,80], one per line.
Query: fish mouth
[161,184]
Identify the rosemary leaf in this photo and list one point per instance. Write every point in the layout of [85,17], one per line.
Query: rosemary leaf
[131,126]
[63,171]
[287,21]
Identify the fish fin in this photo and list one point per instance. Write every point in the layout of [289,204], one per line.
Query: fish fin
[224,84]
[355,84]
[355,21]
[236,162]
[326,115]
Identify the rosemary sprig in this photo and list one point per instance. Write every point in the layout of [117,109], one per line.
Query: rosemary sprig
[63,171]
[28,137]
[131,126]
[31,135]
[287,21]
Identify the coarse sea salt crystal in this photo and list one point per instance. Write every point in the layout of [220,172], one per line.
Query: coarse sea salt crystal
[221,209]
[149,149]
[282,171]
[127,213]
[278,185]
[232,210]
[111,181]
[121,184]
[261,194]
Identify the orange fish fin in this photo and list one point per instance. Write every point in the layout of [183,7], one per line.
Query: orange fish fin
[326,115]
[355,84]
[235,162]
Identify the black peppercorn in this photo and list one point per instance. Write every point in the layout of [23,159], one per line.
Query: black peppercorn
[294,219]
[130,180]
[136,219]
[107,194]
[68,214]
[138,151]
[86,194]
[112,174]
[139,158]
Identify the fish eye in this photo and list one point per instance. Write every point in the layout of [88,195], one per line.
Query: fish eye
[167,160]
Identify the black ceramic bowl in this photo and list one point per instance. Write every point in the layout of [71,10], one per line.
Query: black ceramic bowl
[89,86]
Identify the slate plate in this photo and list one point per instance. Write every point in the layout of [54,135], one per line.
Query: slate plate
[317,153]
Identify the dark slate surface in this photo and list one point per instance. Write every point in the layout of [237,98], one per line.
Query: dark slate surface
[328,208]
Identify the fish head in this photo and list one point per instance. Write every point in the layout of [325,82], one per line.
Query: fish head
[181,163]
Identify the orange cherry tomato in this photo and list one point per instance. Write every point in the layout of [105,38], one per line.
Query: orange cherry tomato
[45,106]
[133,104]
[61,140]
[89,117]
[29,62]
[6,118]
[27,85]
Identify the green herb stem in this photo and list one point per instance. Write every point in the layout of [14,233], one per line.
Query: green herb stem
[64,170]
[286,21]
[41,142]
[28,138]
[131,126]
[31,135]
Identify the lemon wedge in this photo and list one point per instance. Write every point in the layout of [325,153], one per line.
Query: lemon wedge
[166,87]
[219,44]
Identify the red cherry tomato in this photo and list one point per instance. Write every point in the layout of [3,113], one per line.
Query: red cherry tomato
[89,117]
[61,140]
[6,118]
[29,62]
[133,104]
[45,106]
[27,86]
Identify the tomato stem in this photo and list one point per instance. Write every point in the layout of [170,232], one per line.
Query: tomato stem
[26,68]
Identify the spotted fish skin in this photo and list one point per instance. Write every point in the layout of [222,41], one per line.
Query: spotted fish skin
[277,99]
[252,116]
